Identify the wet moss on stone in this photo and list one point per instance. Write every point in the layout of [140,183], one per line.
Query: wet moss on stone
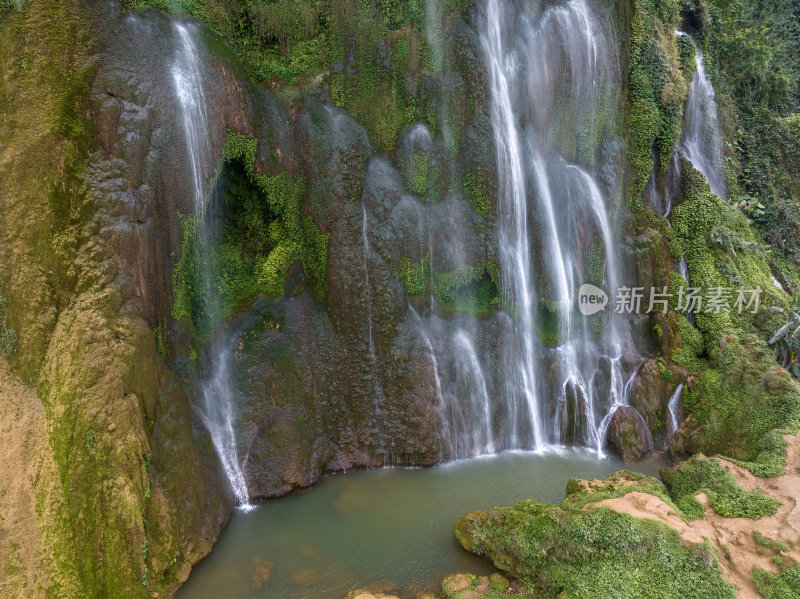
[476,192]
[740,399]
[656,89]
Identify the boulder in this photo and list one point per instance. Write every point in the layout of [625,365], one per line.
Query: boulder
[629,434]
[455,583]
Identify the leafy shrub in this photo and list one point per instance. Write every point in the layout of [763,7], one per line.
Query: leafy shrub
[259,232]
[785,585]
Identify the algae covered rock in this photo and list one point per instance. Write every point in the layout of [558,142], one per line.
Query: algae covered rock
[652,388]
[468,586]
[591,553]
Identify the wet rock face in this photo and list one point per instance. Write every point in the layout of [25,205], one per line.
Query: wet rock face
[652,390]
[629,434]
[148,175]
[323,382]
[310,404]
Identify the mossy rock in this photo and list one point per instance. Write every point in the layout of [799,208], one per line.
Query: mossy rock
[591,553]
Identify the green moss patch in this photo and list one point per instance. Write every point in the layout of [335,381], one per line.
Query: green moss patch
[591,553]
[725,495]
[657,89]
[741,401]
[476,192]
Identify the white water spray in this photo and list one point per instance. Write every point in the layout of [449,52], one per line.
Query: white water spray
[513,221]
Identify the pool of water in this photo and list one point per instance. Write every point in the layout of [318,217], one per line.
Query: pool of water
[388,528]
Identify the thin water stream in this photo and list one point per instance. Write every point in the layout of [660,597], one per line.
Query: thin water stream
[218,409]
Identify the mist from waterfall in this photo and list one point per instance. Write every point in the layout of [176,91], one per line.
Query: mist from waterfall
[218,414]
[552,76]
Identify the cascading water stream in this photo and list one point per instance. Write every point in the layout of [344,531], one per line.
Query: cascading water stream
[481,406]
[219,419]
[551,76]
[672,409]
[437,379]
[219,411]
[513,234]
[702,139]
[377,388]
[701,143]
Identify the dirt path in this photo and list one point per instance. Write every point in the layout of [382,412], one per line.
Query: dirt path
[735,537]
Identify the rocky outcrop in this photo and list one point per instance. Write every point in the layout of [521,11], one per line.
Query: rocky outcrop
[629,434]
[653,386]
[565,551]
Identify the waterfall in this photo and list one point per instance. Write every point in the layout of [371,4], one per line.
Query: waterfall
[672,409]
[377,394]
[219,421]
[478,406]
[702,140]
[219,410]
[683,269]
[513,221]
[552,76]
[447,434]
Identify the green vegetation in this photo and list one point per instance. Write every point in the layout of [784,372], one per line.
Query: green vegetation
[770,544]
[376,44]
[417,182]
[8,337]
[657,89]
[753,60]
[787,339]
[18,5]
[665,372]
[160,333]
[582,492]
[725,495]
[471,289]
[476,193]
[594,264]
[387,41]
[741,400]
[499,587]
[785,585]
[590,553]
[261,233]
